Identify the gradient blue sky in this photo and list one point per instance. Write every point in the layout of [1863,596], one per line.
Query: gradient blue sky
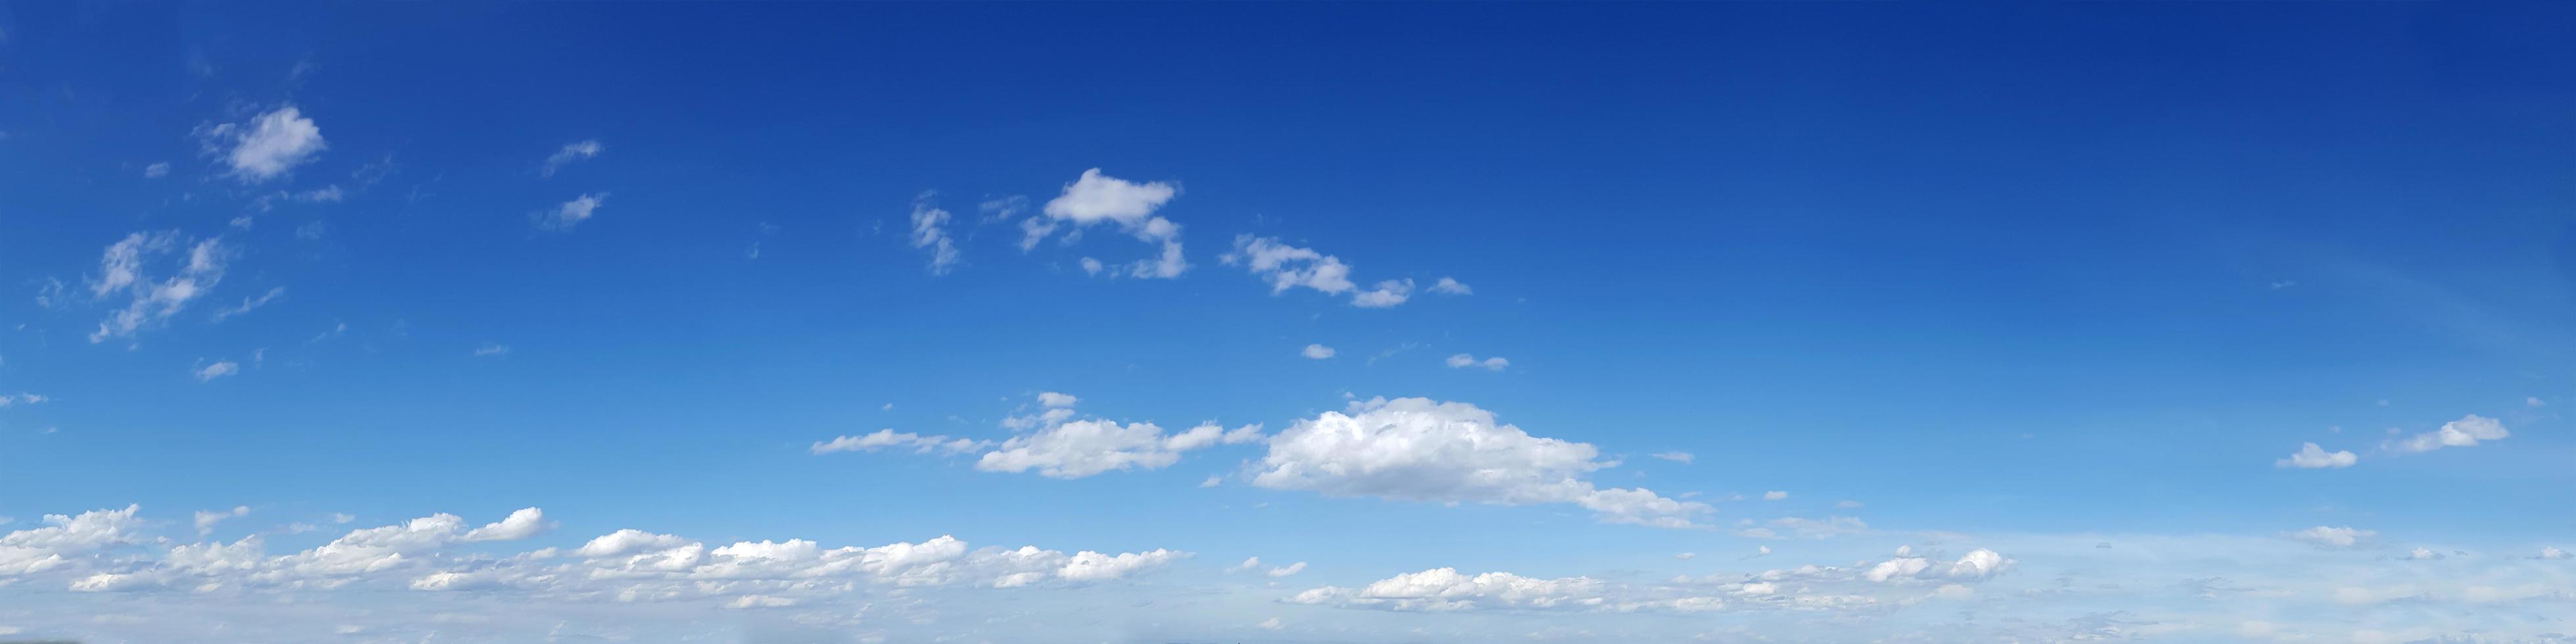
[2045,296]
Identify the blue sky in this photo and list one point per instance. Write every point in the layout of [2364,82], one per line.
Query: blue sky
[1606,323]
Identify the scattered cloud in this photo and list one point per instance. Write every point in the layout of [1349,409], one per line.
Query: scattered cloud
[1387,294]
[1677,457]
[1415,449]
[489,350]
[266,147]
[2329,538]
[1462,360]
[571,152]
[1774,495]
[249,303]
[891,439]
[206,519]
[2310,456]
[571,213]
[1447,286]
[217,370]
[1287,570]
[127,269]
[1096,198]
[2465,432]
[929,230]
[157,170]
[1316,351]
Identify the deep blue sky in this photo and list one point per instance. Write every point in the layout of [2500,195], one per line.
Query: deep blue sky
[2048,271]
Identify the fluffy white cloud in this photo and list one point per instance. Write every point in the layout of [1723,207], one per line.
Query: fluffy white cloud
[126,268]
[2310,456]
[265,147]
[888,438]
[1316,351]
[1461,361]
[1097,198]
[2465,432]
[65,539]
[2336,538]
[1388,293]
[1055,399]
[930,230]
[571,213]
[1286,267]
[1447,286]
[1774,495]
[2552,553]
[157,170]
[1288,570]
[206,519]
[1415,449]
[521,524]
[1978,564]
[571,152]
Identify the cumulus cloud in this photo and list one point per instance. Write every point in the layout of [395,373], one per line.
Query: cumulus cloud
[2465,432]
[157,170]
[1287,267]
[1774,495]
[1316,351]
[571,213]
[571,152]
[265,147]
[1096,198]
[2330,538]
[1287,570]
[1462,361]
[1416,449]
[217,370]
[2310,456]
[929,230]
[1978,564]
[521,524]
[158,274]
[1388,293]
[65,540]
[1447,286]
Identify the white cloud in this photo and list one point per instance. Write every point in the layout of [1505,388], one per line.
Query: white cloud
[266,147]
[206,519]
[217,370]
[2552,553]
[18,399]
[1415,449]
[1248,564]
[157,170]
[1287,267]
[249,303]
[1271,624]
[1316,351]
[1388,293]
[1462,360]
[65,539]
[521,524]
[2465,432]
[1847,503]
[1287,570]
[929,230]
[491,349]
[1978,564]
[571,213]
[2310,456]
[1774,495]
[1097,198]
[126,268]
[1447,286]
[1055,399]
[1677,457]
[2422,554]
[571,152]
[2534,402]
[1081,448]
[1444,589]
[2336,538]
[888,438]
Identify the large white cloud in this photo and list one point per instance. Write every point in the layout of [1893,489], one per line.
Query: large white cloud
[1081,448]
[265,147]
[1416,449]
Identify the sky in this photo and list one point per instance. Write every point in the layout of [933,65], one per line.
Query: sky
[1287,323]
